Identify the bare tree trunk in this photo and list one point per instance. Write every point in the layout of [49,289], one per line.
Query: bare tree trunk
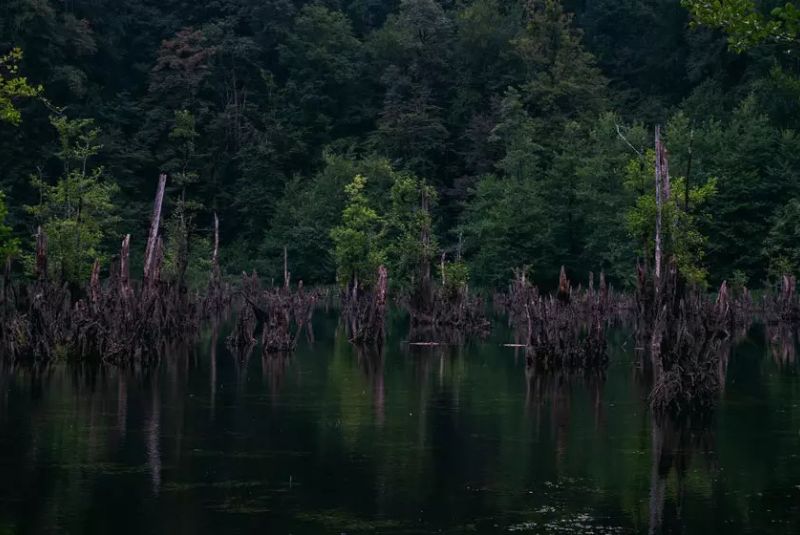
[124,269]
[285,267]
[94,284]
[564,289]
[662,197]
[152,239]
[659,202]
[41,254]
[215,253]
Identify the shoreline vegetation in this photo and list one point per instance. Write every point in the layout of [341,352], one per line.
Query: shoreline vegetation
[684,330]
[417,155]
[683,333]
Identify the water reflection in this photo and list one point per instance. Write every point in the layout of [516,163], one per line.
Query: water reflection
[782,339]
[554,389]
[404,439]
[370,360]
[273,371]
[673,446]
[153,440]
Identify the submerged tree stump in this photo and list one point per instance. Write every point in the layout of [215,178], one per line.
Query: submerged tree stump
[364,310]
[282,313]
[565,331]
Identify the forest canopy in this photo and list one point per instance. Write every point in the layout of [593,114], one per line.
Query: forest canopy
[528,125]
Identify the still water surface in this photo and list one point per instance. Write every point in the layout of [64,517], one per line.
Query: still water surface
[433,440]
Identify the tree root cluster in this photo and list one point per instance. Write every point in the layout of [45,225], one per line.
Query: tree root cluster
[688,342]
[447,310]
[560,331]
[282,313]
[364,310]
[112,320]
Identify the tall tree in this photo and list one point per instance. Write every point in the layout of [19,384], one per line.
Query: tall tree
[76,212]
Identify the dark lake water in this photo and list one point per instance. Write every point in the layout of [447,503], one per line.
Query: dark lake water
[416,440]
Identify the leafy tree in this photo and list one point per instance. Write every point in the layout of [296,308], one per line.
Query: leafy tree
[681,236]
[782,246]
[603,198]
[756,169]
[76,212]
[749,23]
[324,61]
[561,81]
[455,276]
[652,70]
[184,250]
[514,103]
[497,227]
[311,208]
[357,240]
[13,86]
[517,133]
[411,245]
[413,49]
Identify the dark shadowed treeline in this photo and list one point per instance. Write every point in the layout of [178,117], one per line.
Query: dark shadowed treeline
[531,120]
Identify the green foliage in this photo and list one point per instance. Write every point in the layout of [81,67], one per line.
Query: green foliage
[455,276]
[681,237]
[197,249]
[13,86]
[782,246]
[505,226]
[561,80]
[747,23]
[76,213]
[756,166]
[183,136]
[310,209]
[738,281]
[511,110]
[408,230]
[9,245]
[602,198]
[183,250]
[357,240]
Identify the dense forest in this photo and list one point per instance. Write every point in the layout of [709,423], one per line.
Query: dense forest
[525,126]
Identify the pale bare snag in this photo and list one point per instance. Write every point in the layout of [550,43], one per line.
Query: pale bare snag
[155,222]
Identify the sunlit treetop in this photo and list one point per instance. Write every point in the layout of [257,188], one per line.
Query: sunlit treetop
[13,86]
[747,22]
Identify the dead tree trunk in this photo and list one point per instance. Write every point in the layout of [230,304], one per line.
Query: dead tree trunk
[41,255]
[155,222]
[662,174]
[124,267]
[364,310]
[215,252]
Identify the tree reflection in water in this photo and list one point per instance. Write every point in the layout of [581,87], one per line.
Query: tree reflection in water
[371,362]
[673,446]
[555,388]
